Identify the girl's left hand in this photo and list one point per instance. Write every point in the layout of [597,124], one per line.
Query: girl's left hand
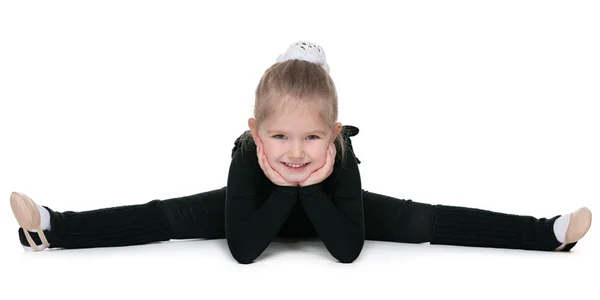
[323,172]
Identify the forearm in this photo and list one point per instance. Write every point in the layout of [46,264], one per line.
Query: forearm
[340,228]
[249,230]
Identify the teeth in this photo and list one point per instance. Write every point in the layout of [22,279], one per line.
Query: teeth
[295,165]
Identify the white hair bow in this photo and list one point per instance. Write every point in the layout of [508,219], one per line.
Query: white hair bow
[306,51]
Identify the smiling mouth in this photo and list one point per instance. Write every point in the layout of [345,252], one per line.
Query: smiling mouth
[295,166]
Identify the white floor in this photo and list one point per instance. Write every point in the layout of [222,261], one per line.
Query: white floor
[297,270]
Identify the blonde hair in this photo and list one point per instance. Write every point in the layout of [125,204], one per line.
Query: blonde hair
[293,83]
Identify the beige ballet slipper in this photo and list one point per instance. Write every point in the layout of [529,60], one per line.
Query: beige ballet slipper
[579,223]
[28,217]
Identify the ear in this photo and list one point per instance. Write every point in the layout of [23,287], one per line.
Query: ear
[253,129]
[336,130]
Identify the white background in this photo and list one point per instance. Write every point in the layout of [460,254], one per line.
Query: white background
[484,104]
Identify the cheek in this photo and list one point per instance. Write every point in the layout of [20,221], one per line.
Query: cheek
[273,161]
[272,155]
[320,150]
[318,155]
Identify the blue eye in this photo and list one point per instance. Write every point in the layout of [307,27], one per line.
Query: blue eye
[280,136]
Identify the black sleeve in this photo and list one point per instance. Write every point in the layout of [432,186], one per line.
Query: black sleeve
[339,221]
[251,221]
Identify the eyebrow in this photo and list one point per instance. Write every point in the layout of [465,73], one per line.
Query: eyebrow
[319,132]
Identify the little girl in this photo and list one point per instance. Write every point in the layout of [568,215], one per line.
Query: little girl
[294,173]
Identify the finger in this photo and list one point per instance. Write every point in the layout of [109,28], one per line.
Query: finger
[269,168]
[325,170]
[261,161]
[257,141]
[265,163]
[262,164]
[274,174]
[327,158]
[330,158]
[259,154]
[262,146]
[329,154]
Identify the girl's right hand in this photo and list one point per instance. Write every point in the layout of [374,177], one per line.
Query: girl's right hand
[273,175]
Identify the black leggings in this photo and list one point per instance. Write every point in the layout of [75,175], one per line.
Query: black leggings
[202,216]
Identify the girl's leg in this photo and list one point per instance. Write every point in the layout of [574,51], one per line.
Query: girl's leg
[463,226]
[396,220]
[194,216]
[199,216]
[399,220]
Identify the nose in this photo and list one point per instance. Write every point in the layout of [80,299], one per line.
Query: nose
[296,151]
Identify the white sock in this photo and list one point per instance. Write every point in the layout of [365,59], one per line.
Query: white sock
[560,227]
[29,249]
[44,218]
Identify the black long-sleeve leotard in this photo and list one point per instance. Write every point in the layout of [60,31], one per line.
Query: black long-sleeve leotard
[257,210]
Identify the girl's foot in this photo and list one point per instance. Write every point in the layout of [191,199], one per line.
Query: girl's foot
[572,227]
[32,218]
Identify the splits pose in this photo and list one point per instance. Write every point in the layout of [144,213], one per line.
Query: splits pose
[294,174]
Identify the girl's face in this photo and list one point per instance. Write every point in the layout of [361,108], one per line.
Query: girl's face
[295,137]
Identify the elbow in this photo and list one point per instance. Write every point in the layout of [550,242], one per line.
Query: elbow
[347,259]
[350,254]
[241,254]
[243,259]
